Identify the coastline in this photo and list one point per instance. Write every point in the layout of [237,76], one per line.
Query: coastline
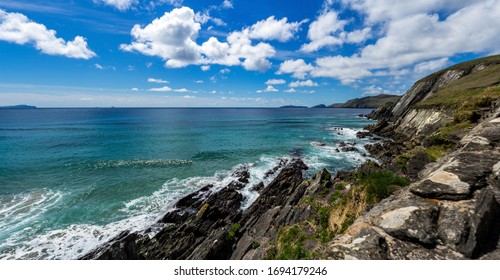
[428,198]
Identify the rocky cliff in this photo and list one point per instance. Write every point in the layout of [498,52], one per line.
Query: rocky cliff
[452,210]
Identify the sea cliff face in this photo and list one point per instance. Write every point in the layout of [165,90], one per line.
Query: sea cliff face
[445,138]
[452,209]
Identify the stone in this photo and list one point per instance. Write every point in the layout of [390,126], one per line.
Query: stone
[416,223]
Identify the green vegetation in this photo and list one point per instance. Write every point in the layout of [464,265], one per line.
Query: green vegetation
[333,210]
[234,230]
[368,102]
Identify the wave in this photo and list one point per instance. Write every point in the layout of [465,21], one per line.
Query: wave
[138,163]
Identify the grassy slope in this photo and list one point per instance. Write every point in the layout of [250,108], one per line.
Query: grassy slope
[367,102]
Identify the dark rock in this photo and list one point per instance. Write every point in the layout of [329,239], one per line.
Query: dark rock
[416,164]
[258,187]
[363,134]
[349,149]
[484,233]
[281,164]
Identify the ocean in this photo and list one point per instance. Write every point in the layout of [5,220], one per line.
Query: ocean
[71,179]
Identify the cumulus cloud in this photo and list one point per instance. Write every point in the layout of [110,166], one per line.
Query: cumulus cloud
[121,5]
[413,38]
[268,89]
[291,90]
[308,83]
[328,30]
[17,28]
[298,68]
[272,29]
[205,68]
[173,38]
[157,81]
[275,82]
[134,89]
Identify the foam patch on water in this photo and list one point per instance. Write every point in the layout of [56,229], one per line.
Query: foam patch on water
[137,163]
[21,209]
[71,242]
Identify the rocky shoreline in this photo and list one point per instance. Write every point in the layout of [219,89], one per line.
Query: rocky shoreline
[451,209]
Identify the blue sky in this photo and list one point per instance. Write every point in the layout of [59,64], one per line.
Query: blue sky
[171,53]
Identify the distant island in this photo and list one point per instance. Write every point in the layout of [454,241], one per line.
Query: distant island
[18,107]
[293,107]
[319,106]
[368,102]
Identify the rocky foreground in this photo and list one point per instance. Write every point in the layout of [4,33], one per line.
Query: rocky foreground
[445,137]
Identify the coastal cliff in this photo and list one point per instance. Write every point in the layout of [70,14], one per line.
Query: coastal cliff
[433,194]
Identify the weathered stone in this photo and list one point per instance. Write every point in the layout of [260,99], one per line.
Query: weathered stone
[454,223]
[416,223]
[367,244]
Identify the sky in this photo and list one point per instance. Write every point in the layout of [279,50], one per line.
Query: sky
[232,53]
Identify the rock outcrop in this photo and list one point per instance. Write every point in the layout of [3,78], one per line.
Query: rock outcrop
[210,224]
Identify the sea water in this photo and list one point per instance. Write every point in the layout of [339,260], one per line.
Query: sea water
[71,179]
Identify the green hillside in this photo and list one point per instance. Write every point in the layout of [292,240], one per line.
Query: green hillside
[368,102]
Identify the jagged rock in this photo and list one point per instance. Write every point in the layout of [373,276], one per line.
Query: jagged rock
[363,134]
[454,223]
[349,149]
[484,234]
[411,220]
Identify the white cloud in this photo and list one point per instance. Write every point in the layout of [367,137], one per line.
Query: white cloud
[307,83]
[162,89]
[225,71]
[149,64]
[17,28]
[199,82]
[205,68]
[189,97]
[291,90]
[298,68]
[275,82]
[431,66]
[98,66]
[328,30]
[268,89]
[157,81]
[182,90]
[134,89]
[121,5]
[213,92]
[173,38]
[228,4]
[374,90]
[383,10]
[272,29]
[322,31]
[418,38]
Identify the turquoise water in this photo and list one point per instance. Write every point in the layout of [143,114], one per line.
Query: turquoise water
[70,179]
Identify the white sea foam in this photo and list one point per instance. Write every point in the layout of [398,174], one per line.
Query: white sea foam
[20,209]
